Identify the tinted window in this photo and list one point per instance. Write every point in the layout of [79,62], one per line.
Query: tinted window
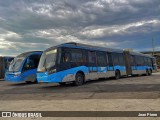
[115,59]
[149,61]
[101,59]
[121,59]
[145,61]
[132,60]
[110,61]
[76,55]
[91,57]
[139,60]
[31,62]
[66,57]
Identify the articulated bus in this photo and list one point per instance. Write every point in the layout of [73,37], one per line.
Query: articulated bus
[24,67]
[77,63]
[4,65]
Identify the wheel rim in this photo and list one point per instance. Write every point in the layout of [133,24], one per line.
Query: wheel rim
[117,75]
[79,80]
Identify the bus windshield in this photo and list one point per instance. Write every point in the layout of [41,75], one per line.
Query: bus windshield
[16,64]
[47,60]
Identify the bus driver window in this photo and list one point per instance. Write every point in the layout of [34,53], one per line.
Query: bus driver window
[67,57]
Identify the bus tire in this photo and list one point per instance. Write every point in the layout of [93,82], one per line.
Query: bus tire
[79,79]
[147,72]
[117,74]
[150,72]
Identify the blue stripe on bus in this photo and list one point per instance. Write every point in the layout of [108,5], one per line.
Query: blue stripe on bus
[9,76]
[59,76]
[141,67]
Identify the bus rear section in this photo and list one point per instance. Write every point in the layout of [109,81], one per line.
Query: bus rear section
[4,65]
[23,68]
[139,64]
[79,63]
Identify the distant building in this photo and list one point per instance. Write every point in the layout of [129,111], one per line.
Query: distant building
[156,55]
[4,64]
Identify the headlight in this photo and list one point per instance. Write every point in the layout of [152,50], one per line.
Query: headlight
[17,74]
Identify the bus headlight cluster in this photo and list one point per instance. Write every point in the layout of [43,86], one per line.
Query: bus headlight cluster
[17,74]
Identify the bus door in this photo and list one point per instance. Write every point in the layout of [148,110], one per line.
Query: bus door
[110,62]
[29,69]
[93,70]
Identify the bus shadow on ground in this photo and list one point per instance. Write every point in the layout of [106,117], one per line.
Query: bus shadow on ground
[87,83]
[21,84]
[101,88]
[58,87]
[71,84]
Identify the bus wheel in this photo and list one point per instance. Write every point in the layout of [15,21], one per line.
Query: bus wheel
[117,75]
[147,72]
[79,79]
[150,72]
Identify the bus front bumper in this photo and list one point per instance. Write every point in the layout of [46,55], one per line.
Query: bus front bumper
[44,77]
[13,77]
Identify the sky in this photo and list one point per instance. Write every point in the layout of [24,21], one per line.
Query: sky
[27,25]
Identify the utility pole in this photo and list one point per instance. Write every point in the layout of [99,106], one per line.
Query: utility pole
[153,47]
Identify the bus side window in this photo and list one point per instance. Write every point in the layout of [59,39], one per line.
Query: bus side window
[92,58]
[110,59]
[28,65]
[138,61]
[67,57]
[101,59]
[31,62]
[36,60]
[121,59]
[115,59]
[150,62]
[77,56]
[133,63]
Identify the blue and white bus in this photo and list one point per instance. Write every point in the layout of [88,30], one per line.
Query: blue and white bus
[24,67]
[4,64]
[77,63]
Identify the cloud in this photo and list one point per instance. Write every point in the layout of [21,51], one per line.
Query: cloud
[132,28]
[37,25]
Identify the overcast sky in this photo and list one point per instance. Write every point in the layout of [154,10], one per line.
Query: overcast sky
[27,25]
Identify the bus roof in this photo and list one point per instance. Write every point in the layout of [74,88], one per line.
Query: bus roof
[87,47]
[27,53]
[140,54]
[90,47]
